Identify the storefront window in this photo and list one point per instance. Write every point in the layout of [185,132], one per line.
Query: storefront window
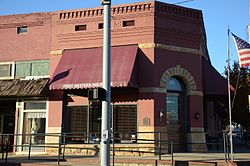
[125,121]
[78,116]
[79,124]
[34,123]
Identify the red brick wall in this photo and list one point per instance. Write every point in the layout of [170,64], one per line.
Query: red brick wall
[155,22]
[33,45]
[65,37]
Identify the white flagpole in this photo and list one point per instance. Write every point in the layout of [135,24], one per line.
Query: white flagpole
[229,98]
[248,26]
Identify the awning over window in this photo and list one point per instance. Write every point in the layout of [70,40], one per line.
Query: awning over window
[82,68]
[214,83]
[24,88]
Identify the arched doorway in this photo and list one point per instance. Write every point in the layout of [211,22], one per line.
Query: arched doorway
[176,112]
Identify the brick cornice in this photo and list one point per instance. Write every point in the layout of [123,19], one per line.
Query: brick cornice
[115,10]
[14,25]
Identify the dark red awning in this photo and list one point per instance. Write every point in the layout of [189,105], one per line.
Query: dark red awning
[82,68]
[214,83]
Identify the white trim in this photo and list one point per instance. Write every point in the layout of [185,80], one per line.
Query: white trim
[21,119]
[12,70]
[35,77]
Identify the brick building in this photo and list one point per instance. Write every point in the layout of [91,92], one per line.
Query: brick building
[162,77]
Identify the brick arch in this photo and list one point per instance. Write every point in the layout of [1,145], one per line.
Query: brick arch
[184,74]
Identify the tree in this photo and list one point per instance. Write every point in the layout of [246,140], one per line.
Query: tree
[240,80]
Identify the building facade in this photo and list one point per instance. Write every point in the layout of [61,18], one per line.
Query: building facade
[161,75]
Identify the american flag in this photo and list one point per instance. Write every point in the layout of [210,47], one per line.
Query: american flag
[243,48]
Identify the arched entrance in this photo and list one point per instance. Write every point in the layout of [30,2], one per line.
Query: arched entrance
[176,112]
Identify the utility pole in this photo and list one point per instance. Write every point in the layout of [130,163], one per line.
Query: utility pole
[106,79]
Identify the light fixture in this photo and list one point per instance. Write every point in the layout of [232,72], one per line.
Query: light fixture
[197,115]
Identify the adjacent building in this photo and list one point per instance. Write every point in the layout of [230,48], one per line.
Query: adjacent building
[162,78]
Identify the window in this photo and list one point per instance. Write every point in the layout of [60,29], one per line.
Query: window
[125,121]
[34,105]
[174,85]
[80,27]
[23,29]
[128,23]
[95,110]
[78,118]
[100,26]
[174,101]
[6,70]
[78,122]
[34,123]
[40,68]
[32,68]
[173,109]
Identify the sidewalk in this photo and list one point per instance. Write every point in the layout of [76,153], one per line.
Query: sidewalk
[195,159]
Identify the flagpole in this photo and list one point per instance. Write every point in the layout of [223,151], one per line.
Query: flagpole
[229,98]
[248,26]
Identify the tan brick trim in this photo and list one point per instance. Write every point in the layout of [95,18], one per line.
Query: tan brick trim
[163,90]
[196,129]
[171,48]
[187,78]
[195,93]
[56,52]
[152,90]
[147,45]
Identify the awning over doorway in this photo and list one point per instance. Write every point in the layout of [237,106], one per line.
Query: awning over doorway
[24,88]
[82,68]
[214,83]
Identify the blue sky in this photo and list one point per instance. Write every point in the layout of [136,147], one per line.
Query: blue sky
[218,15]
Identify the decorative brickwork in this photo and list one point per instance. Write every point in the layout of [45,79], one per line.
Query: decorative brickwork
[30,20]
[176,10]
[180,72]
[133,8]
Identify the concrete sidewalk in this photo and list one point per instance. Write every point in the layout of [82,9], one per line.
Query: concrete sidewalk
[195,159]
